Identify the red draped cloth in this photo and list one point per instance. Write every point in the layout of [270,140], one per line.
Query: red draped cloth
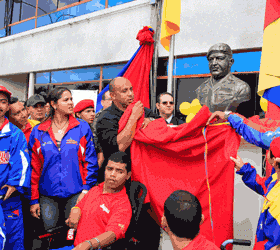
[138,71]
[166,159]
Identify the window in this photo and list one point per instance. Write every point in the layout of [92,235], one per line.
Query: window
[111,71]
[2,14]
[47,11]
[46,6]
[28,9]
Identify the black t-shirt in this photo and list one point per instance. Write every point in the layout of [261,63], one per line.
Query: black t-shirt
[107,130]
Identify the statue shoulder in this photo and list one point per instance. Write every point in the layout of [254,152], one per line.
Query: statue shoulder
[203,85]
[241,86]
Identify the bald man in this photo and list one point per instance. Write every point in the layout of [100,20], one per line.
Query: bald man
[122,95]
[222,91]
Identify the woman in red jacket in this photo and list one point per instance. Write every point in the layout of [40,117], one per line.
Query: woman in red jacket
[63,160]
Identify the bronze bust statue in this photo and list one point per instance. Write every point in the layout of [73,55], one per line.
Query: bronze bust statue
[222,91]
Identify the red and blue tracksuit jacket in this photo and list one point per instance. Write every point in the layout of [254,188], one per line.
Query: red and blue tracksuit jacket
[15,171]
[268,230]
[65,172]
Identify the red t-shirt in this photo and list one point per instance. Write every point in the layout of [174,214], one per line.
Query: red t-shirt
[28,128]
[101,213]
[200,242]
[6,121]
[27,131]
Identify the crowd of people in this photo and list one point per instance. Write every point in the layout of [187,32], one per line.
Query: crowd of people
[62,159]
[66,165]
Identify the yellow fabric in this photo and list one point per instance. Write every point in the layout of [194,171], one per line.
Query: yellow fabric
[170,24]
[270,60]
[272,201]
[33,123]
[263,103]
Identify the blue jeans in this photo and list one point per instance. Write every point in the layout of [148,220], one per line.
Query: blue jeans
[56,210]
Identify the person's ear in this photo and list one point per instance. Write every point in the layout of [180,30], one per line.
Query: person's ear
[202,219]
[157,105]
[113,95]
[53,105]
[128,175]
[163,222]
[78,115]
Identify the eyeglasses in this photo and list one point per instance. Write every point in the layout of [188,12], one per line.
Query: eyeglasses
[108,99]
[165,103]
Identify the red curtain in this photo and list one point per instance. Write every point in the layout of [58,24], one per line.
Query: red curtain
[138,71]
[167,159]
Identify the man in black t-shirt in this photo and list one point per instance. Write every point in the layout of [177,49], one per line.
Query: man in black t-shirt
[107,126]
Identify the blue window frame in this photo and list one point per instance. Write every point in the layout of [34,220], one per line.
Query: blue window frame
[112,71]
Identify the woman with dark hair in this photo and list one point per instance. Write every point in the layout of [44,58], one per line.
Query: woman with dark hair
[63,160]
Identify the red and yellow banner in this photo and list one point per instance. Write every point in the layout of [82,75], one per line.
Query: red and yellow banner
[170,21]
[270,61]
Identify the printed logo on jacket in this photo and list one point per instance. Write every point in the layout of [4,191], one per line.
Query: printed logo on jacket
[4,157]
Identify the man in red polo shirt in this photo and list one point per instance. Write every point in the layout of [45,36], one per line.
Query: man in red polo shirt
[181,220]
[18,116]
[104,214]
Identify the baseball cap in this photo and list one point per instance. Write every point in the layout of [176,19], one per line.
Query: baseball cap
[6,92]
[82,105]
[33,100]
[219,47]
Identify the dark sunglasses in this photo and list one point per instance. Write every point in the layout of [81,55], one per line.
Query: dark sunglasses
[165,103]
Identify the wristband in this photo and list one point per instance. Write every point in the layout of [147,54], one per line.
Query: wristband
[85,191]
[227,113]
[99,245]
[75,207]
[91,246]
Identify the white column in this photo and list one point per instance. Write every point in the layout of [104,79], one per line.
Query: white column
[170,65]
[31,84]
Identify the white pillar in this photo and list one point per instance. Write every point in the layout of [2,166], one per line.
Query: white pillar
[170,65]
[31,84]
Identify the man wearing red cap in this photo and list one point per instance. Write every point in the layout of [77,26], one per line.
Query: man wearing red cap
[85,110]
[15,174]
[268,230]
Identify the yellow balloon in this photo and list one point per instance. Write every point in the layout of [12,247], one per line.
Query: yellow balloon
[184,108]
[263,103]
[190,117]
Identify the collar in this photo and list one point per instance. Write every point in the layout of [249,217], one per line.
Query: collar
[222,80]
[116,109]
[121,193]
[6,121]
[73,122]
[27,126]
[168,120]
[5,128]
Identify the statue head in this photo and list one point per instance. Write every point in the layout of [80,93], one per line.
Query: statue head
[220,60]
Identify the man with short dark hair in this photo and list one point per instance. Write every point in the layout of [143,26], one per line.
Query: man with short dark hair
[36,107]
[165,106]
[222,91]
[182,219]
[104,214]
[19,117]
[106,103]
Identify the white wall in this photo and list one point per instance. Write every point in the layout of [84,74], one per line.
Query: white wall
[203,23]
[104,36]
[16,84]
